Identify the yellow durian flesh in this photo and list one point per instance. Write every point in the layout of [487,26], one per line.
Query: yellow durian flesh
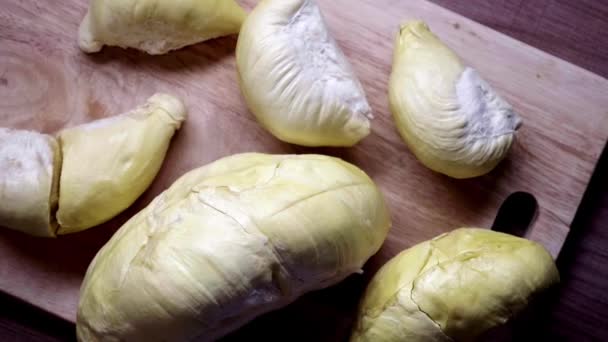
[109,163]
[454,287]
[29,169]
[157,26]
[450,118]
[296,80]
[229,241]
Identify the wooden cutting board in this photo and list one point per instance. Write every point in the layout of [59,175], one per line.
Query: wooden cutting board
[46,84]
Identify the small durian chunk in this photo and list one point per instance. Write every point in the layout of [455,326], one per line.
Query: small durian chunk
[455,287]
[29,169]
[157,26]
[452,120]
[296,80]
[109,163]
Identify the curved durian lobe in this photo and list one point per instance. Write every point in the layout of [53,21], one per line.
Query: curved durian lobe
[454,287]
[296,80]
[157,26]
[450,118]
[29,170]
[108,164]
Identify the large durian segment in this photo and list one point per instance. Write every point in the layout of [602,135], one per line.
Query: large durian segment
[229,241]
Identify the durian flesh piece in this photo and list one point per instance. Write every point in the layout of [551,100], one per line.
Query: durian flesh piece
[29,169]
[230,241]
[454,287]
[296,80]
[109,163]
[451,119]
[157,26]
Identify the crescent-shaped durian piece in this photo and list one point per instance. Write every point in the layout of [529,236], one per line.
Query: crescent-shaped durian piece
[29,169]
[109,163]
[157,26]
[296,80]
[451,119]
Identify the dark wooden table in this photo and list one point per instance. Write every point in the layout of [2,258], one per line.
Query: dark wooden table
[577,310]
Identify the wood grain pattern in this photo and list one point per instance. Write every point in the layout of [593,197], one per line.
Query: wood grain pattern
[574,31]
[20,322]
[571,30]
[50,84]
[578,310]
